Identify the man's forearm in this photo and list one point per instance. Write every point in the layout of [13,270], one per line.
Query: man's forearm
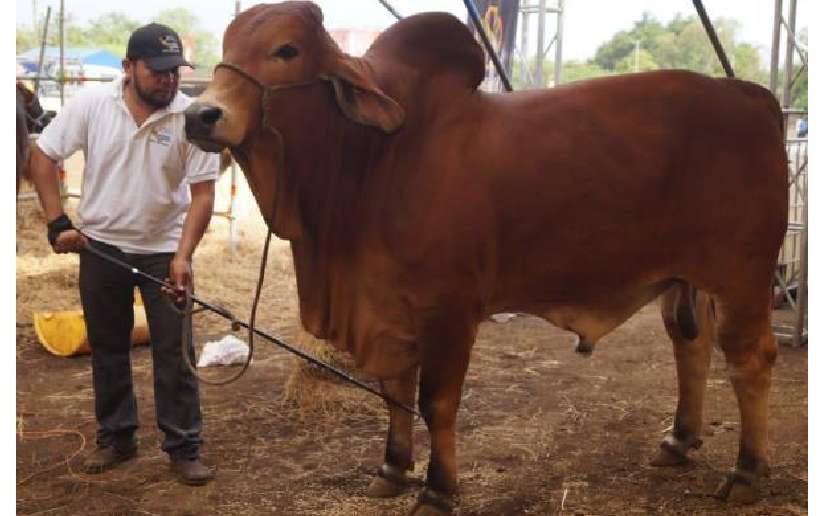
[44,176]
[197,218]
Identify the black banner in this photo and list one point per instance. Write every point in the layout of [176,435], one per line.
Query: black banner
[499,18]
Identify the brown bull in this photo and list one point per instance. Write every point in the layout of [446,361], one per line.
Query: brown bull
[416,206]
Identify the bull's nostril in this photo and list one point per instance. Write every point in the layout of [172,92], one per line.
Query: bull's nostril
[210,115]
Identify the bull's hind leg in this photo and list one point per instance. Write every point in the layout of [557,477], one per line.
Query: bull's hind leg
[691,324]
[391,479]
[749,345]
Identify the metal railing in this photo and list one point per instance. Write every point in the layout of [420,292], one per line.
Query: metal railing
[792,267]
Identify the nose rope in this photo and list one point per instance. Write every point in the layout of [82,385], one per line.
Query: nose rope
[266,91]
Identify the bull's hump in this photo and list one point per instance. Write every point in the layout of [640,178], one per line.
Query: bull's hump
[437,43]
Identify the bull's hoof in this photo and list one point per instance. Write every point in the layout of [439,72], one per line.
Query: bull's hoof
[388,483]
[584,347]
[431,503]
[381,487]
[742,487]
[667,457]
[673,452]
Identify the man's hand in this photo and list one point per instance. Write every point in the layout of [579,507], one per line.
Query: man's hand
[180,275]
[70,241]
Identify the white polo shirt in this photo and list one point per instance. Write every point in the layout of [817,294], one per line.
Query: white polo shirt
[135,188]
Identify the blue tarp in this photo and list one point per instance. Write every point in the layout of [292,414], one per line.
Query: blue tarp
[91,56]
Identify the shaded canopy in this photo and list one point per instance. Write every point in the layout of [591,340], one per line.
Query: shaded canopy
[88,56]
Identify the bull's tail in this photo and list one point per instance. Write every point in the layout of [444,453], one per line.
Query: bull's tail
[679,310]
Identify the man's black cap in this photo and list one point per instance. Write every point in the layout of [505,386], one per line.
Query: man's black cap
[158,45]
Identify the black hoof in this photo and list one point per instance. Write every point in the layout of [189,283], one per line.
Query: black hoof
[432,503]
[739,488]
[674,453]
[389,482]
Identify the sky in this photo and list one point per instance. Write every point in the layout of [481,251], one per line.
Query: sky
[587,23]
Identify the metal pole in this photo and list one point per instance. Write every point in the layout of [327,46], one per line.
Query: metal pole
[714,39]
[62,72]
[236,324]
[559,30]
[391,9]
[789,55]
[542,13]
[42,51]
[777,28]
[525,26]
[802,289]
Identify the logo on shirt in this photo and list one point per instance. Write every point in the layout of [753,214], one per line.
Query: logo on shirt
[160,137]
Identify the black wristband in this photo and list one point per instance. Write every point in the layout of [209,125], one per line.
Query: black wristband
[57,226]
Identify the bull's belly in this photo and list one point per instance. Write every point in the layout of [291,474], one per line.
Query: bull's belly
[592,319]
[590,324]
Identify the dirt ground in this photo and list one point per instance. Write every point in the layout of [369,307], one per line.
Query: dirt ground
[542,430]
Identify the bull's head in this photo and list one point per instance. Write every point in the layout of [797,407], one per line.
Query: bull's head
[268,49]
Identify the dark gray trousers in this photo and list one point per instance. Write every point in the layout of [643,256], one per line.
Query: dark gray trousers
[106,293]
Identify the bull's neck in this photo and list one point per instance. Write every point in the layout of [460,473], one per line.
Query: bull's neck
[315,200]
[326,161]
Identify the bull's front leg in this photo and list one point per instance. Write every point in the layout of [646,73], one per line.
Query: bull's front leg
[391,479]
[445,356]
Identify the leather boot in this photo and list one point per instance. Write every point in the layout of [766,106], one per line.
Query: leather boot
[191,471]
[105,458]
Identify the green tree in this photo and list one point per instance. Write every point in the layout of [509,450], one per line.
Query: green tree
[204,43]
[645,62]
[646,31]
[111,31]
[25,39]
[681,43]
[573,71]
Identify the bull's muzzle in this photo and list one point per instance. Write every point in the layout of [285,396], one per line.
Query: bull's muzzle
[200,124]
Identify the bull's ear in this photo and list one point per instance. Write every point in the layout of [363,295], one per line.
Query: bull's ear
[360,98]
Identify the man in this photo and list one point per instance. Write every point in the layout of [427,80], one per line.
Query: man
[135,206]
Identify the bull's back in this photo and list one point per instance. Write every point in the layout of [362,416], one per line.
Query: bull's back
[616,181]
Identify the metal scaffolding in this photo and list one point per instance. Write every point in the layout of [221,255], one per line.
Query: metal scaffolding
[538,10]
[792,270]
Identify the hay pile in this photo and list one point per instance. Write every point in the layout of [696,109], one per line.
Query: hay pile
[314,390]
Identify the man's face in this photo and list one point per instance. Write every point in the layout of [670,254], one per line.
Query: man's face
[156,88]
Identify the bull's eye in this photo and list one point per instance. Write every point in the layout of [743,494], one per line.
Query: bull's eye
[285,52]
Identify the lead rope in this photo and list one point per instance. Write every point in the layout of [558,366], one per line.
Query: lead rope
[238,324]
[187,343]
[266,92]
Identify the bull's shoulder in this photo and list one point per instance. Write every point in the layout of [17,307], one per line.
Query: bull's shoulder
[432,44]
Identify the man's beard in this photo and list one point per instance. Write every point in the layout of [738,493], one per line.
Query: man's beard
[156,100]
